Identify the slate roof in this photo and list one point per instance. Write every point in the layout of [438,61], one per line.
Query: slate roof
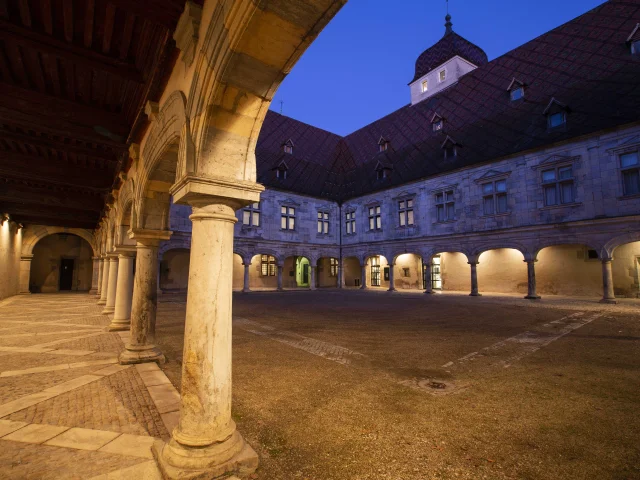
[584,64]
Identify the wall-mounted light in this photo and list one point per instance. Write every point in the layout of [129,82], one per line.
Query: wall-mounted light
[4,218]
[20,226]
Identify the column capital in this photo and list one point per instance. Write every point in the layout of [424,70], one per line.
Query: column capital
[26,257]
[200,191]
[126,250]
[96,258]
[473,262]
[606,259]
[151,238]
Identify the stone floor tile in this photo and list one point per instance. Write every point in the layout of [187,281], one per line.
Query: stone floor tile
[111,369]
[83,439]
[141,471]
[27,371]
[171,420]
[9,426]
[166,398]
[152,378]
[132,445]
[147,367]
[76,353]
[72,384]
[35,433]
[24,402]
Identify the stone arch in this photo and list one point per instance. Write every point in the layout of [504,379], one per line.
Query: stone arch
[565,241]
[268,251]
[182,243]
[397,253]
[233,86]
[452,249]
[500,245]
[161,154]
[33,235]
[610,247]
[373,253]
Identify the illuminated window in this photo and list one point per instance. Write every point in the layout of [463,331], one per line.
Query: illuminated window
[251,215]
[425,86]
[268,264]
[405,212]
[375,218]
[333,267]
[287,218]
[442,75]
[323,223]
[350,223]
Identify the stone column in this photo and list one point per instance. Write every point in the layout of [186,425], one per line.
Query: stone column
[531,280]
[100,267]
[280,278]
[340,275]
[105,281]
[312,277]
[110,306]
[607,282]
[141,347]
[246,288]
[25,274]
[95,274]
[124,290]
[363,277]
[428,287]
[392,276]
[206,444]
[474,279]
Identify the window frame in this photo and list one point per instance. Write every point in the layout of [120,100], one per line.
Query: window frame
[404,209]
[494,195]
[375,214]
[333,267]
[629,169]
[560,125]
[288,216]
[424,86]
[440,72]
[281,173]
[323,219]
[266,264]
[445,204]
[557,184]
[252,210]
[350,222]
[512,92]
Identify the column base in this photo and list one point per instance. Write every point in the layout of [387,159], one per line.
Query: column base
[102,302]
[609,301]
[246,291]
[93,291]
[119,325]
[108,310]
[149,353]
[391,290]
[233,456]
[427,292]
[475,294]
[533,297]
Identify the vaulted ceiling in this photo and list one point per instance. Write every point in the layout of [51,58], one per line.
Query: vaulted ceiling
[74,78]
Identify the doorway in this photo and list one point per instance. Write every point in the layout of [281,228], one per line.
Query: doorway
[66,273]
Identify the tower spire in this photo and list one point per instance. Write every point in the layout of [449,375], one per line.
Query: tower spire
[448,25]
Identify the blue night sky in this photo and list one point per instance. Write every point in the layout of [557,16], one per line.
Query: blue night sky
[358,69]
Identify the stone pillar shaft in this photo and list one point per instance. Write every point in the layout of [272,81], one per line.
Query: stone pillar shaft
[124,294]
[100,268]
[312,278]
[25,274]
[428,287]
[531,280]
[340,275]
[474,280]
[141,347]
[247,287]
[392,275]
[105,281]
[110,306]
[279,278]
[363,277]
[607,282]
[95,274]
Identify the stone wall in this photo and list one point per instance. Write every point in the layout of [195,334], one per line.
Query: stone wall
[47,257]
[10,249]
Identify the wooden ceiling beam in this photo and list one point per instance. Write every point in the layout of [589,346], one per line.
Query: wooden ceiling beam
[148,12]
[17,209]
[82,56]
[61,146]
[37,103]
[61,200]
[54,222]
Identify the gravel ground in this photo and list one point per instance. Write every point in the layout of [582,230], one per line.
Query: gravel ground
[565,411]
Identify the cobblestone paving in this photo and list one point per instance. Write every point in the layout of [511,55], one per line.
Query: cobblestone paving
[68,330]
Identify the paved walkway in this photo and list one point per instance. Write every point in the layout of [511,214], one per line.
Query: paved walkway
[68,410]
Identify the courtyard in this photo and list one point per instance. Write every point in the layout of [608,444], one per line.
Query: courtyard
[338,385]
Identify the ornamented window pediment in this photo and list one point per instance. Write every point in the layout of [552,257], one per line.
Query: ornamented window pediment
[492,175]
[555,160]
[373,203]
[631,143]
[288,202]
[442,187]
[404,194]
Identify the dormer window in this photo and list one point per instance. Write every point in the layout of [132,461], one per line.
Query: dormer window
[425,86]
[281,171]
[382,171]
[288,147]
[383,144]
[437,122]
[516,90]
[556,114]
[442,75]
[634,40]
[450,148]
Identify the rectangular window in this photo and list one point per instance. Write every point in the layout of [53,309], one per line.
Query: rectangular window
[630,165]
[494,200]
[287,218]
[517,94]
[323,223]
[375,272]
[405,212]
[445,206]
[425,86]
[557,119]
[333,267]
[375,218]
[350,223]
[268,266]
[437,125]
[251,215]
[442,75]
[557,185]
